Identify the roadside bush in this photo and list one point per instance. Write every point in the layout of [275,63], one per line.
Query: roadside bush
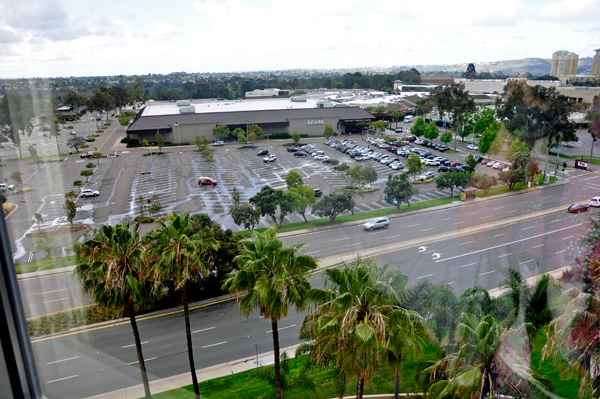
[95,135]
[126,139]
[282,135]
[85,146]
[31,326]
[90,139]
[422,181]
[133,143]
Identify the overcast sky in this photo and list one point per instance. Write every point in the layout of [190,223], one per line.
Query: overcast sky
[41,38]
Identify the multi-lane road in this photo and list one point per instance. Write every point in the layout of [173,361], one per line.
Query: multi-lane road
[463,245]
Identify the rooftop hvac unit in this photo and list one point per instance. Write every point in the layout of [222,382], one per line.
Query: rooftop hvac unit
[324,104]
[299,99]
[183,103]
[187,110]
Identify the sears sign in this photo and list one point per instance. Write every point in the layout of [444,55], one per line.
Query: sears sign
[315,122]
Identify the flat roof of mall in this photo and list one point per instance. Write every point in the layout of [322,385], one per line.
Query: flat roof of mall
[204,107]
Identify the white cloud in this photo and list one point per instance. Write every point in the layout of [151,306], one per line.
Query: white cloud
[570,11]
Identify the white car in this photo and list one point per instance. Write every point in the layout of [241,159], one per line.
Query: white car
[491,163]
[426,175]
[473,147]
[321,157]
[218,143]
[595,201]
[397,165]
[88,192]
[497,165]
[270,158]
[424,161]
[506,169]
[432,162]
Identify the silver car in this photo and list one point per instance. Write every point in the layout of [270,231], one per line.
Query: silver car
[377,223]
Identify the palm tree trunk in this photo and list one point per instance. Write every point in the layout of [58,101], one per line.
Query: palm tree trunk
[276,356]
[138,347]
[397,386]
[592,151]
[360,386]
[188,335]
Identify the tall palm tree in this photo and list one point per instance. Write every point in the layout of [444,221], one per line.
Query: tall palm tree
[350,316]
[113,271]
[489,359]
[175,251]
[272,278]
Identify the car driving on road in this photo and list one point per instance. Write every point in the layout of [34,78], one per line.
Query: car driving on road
[576,208]
[377,223]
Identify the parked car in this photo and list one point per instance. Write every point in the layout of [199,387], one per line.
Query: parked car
[506,169]
[88,192]
[270,158]
[321,157]
[594,201]
[206,181]
[478,158]
[576,208]
[7,187]
[456,164]
[73,133]
[490,163]
[397,165]
[443,169]
[497,165]
[318,193]
[351,187]
[262,152]
[377,223]
[443,148]
[218,143]
[293,149]
[300,154]
[426,175]
[431,162]
[473,147]
[327,160]
[85,155]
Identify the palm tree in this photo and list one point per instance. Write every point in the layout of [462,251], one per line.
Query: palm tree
[272,277]
[489,359]
[113,271]
[349,320]
[175,251]
[593,119]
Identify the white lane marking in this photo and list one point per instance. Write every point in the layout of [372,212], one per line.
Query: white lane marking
[414,225]
[60,379]
[537,246]
[465,243]
[559,252]
[566,238]
[485,217]
[129,346]
[428,275]
[470,264]
[428,229]
[527,261]
[498,235]
[445,219]
[313,252]
[510,243]
[527,228]
[516,210]
[280,328]
[554,221]
[397,235]
[56,300]
[546,197]
[474,213]
[502,256]
[145,360]
[204,329]
[499,208]
[50,292]
[483,274]
[350,245]
[63,360]
[452,282]
[341,239]
[459,222]
[590,178]
[208,346]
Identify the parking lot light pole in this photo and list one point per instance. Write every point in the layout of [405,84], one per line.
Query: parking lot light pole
[268,143]
[246,122]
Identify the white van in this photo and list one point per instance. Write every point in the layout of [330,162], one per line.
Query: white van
[408,118]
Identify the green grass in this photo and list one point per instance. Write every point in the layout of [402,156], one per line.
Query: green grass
[595,160]
[45,264]
[359,216]
[517,187]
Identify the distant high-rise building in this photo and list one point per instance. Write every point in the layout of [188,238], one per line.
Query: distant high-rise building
[596,66]
[564,63]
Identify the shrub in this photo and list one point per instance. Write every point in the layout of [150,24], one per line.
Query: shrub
[90,139]
[85,146]
[95,135]
[133,143]
[282,135]
[126,139]
[31,326]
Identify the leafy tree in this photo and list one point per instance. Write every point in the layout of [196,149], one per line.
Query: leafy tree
[70,209]
[296,137]
[235,196]
[516,146]
[340,200]
[221,132]
[266,201]
[455,100]
[201,142]
[86,173]
[303,198]
[160,141]
[44,244]
[76,142]
[470,73]
[446,137]
[90,165]
[113,271]
[286,206]
[486,141]
[512,177]
[378,127]
[471,162]
[201,220]
[97,155]
[241,135]
[77,183]
[293,179]
[102,102]
[414,165]
[419,128]
[327,131]
[75,100]
[432,131]
[255,131]
[245,214]
[35,158]
[17,176]
[72,195]
[452,180]
[342,167]
[362,175]
[272,278]
[483,182]
[38,219]
[252,137]
[174,252]
[335,162]
[398,187]
[155,205]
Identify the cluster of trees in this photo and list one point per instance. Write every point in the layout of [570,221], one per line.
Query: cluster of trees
[222,132]
[471,73]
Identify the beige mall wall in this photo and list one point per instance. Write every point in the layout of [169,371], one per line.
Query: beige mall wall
[303,127]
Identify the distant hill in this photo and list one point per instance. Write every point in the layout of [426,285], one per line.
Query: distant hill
[535,66]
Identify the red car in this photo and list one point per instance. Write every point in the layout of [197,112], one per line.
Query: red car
[207,180]
[456,164]
[576,208]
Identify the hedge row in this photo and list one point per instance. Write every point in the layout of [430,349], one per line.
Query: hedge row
[63,321]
